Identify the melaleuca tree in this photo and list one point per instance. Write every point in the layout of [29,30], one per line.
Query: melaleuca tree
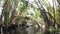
[9,7]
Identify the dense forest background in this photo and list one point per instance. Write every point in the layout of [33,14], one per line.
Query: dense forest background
[29,16]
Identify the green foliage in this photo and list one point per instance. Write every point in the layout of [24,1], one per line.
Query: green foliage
[52,29]
[23,9]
